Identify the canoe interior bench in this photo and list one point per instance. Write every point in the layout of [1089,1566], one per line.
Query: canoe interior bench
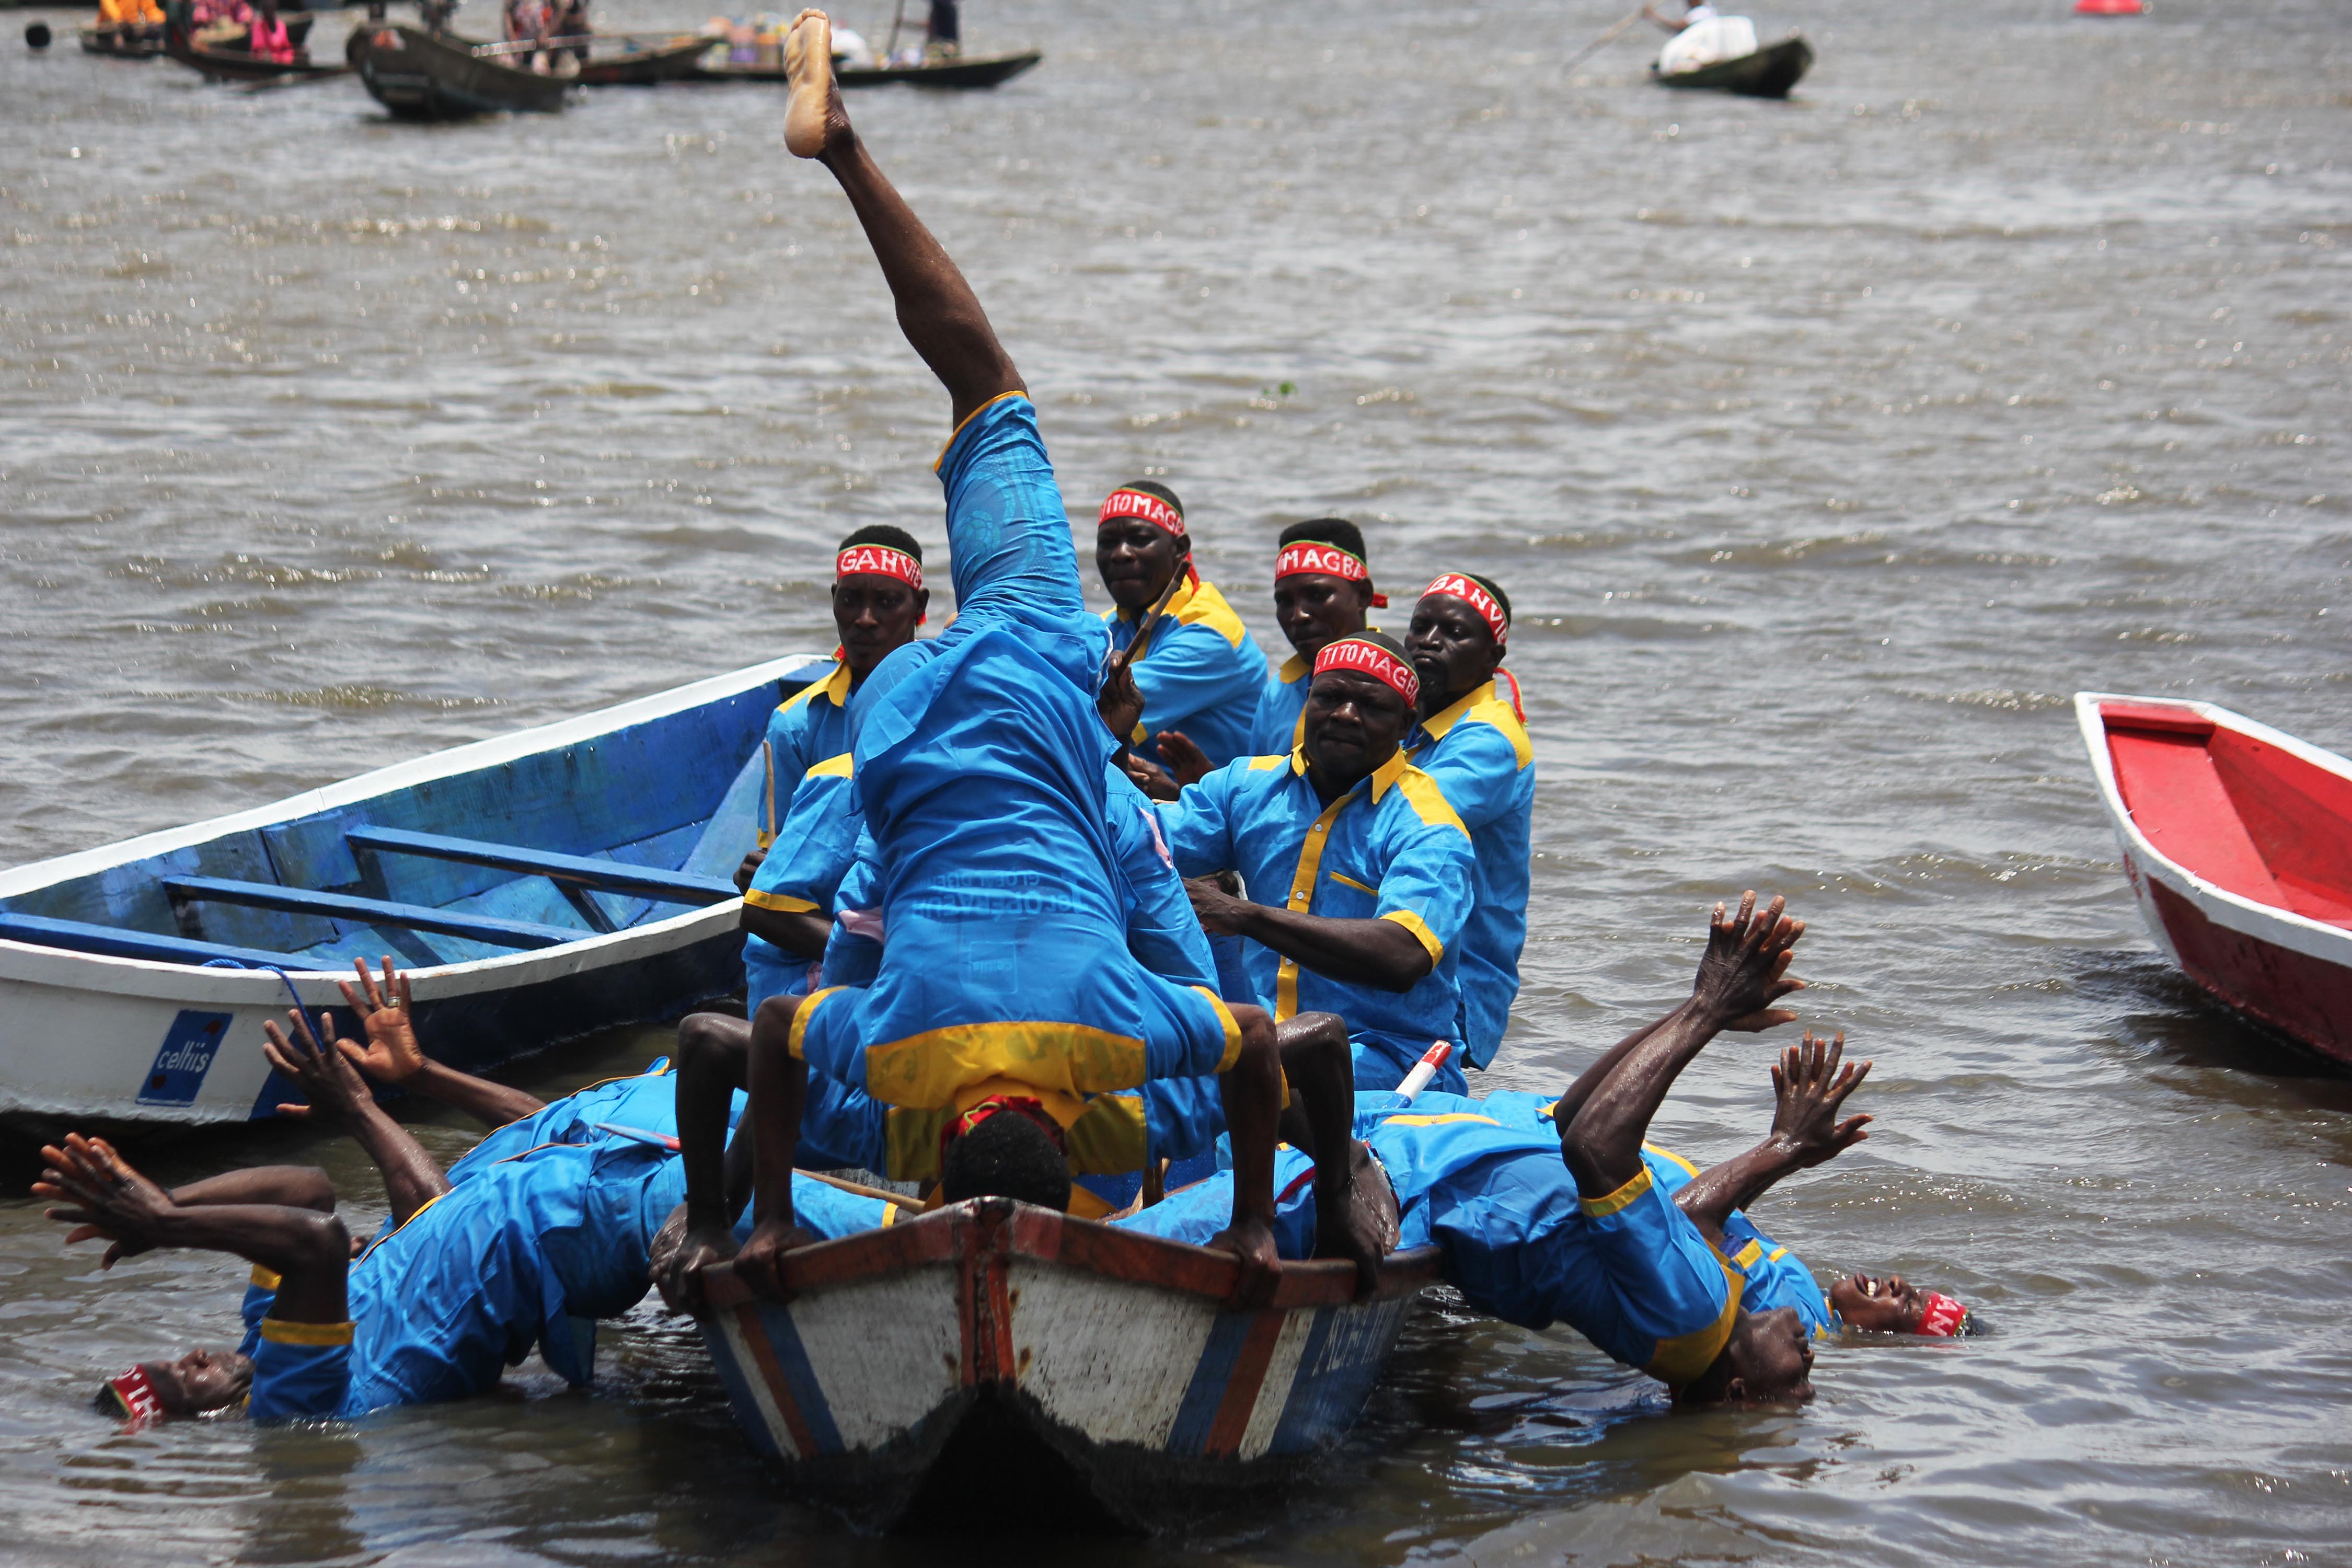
[486,929]
[578,870]
[112,941]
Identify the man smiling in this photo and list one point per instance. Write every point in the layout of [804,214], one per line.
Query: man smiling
[1473,743]
[1370,867]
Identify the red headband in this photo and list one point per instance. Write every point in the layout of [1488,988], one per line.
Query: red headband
[1149,508]
[1314,555]
[879,560]
[136,1395]
[996,1104]
[1943,1317]
[1455,584]
[1361,657]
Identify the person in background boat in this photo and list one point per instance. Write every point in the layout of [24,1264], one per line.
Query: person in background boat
[1006,992]
[1200,671]
[570,20]
[1697,11]
[269,39]
[133,18]
[943,37]
[1703,37]
[1360,873]
[878,601]
[1473,743]
[219,24]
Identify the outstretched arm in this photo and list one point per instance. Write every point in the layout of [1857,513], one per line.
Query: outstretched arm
[392,1055]
[1809,1090]
[937,309]
[1743,974]
[333,1087]
[110,1201]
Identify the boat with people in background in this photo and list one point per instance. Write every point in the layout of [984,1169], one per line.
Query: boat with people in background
[1710,51]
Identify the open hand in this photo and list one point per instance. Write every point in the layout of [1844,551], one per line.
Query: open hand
[327,1078]
[111,1201]
[1811,1089]
[1149,777]
[1747,964]
[387,1012]
[760,1263]
[1187,764]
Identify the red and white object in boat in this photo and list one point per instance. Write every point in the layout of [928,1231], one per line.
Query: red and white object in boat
[2238,841]
[2109,7]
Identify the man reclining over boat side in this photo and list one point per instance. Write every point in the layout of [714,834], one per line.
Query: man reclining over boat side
[878,600]
[511,1249]
[1360,873]
[978,759]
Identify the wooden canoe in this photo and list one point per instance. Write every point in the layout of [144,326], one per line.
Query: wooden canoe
[996,1365]
[419,75]
[1770,72]
[121,43]
[539,885]
[235,65]
[969,71]
[2238,842]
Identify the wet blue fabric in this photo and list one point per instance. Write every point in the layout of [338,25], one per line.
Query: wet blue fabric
[979,768]
[1196,1213]
[814,848]
[293,1381]
[1635,1278]
[808,727]
[646,1099]
[1201,672]
[1479,752]
[1393,849]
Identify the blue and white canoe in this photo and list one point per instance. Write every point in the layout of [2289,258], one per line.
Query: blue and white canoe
[997,1365]
[537,886]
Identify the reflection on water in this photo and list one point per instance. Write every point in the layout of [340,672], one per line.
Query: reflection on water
[1824,447]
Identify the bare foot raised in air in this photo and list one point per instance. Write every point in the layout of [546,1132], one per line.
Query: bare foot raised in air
[813,111]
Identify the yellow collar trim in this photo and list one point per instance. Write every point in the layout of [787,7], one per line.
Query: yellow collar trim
[1387,773]
[1292,667]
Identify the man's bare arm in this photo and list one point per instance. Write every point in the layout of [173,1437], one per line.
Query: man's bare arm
[392,1055]
[333,1087]
[1809,1091]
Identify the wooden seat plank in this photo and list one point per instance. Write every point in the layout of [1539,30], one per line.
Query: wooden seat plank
[111,942]
[581,870]
[486,929]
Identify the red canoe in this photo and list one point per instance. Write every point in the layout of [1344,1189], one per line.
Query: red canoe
[2238,841]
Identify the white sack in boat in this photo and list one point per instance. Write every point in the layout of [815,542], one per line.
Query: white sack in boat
[1707,43]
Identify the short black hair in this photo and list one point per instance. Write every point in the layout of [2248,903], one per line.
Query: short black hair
[1380,639]
[1336,530]
[1152,488]
[884,534]
[1497,589]
[1006,1156]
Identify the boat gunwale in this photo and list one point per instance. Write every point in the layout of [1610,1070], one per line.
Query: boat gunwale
[2232,911]
[1011,1232]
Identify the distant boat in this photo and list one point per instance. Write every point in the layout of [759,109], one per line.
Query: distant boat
[121,43]
[1770,72]
[996,1366]
[965,71]
[419,75]
[538,886]
[237,65]
[2238,842]
[2110,9]
[616,60]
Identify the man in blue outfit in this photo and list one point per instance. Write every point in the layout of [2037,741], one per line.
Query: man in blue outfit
[878,600]
[1473,743]
[978,757]
[1358,870]
[1199,670]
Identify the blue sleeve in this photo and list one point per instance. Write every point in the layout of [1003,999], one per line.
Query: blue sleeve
[824,1211]
[1276,727]
[300,1370]
[1008,531]
[1675,1297]
[1197,1213]
[850,958]
[814,848]
[1426,885]
[1188,670]
[1162,932]
[784,740]
[1198,824]
[1479,772]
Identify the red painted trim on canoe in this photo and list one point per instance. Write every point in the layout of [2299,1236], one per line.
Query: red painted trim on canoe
[2152,716]
[1242,1385]
[755,1335]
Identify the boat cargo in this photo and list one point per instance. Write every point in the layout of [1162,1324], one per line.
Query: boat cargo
[2238,842]
[993,1365]
[537,886]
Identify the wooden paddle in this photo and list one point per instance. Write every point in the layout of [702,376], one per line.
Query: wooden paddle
[1602,41]
[1151,621]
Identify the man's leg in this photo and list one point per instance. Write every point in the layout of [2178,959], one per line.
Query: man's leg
[937,309]
[1252,1091]
[1740,976]
[779,1086]
[1354,1218]
[713,1062]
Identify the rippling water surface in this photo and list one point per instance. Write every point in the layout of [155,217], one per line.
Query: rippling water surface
[1824,447]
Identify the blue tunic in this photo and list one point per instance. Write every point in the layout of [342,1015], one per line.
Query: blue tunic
[814,848]
[1479,752]
[807,728]
[980,764]
[1393,848]
[1200,672]
[1282,707]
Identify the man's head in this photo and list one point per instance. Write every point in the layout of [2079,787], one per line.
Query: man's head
[878,597]
[197,1384]
[1002,1149]
[1460,626]
[1890,1304]
[1768,1360]
[1141,543]
[1359,709]
[1322,582]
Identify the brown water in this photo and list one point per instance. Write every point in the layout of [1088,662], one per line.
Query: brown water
[1825,447]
